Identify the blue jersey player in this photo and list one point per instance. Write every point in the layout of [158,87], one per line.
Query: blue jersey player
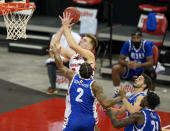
[140,57]
[80,113]
[132,104]
[144,120]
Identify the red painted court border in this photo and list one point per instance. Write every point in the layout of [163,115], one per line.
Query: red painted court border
[48,116]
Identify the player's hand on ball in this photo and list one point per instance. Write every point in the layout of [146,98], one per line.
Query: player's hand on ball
[66,20]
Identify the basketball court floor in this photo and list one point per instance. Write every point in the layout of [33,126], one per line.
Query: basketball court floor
[26,106]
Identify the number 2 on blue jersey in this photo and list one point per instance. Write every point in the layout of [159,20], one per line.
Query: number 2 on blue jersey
[78,98]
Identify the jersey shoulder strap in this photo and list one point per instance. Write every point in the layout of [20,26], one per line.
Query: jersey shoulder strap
[130,45]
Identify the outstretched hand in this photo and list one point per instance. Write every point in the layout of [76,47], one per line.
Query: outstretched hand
[66,20]
[122,92]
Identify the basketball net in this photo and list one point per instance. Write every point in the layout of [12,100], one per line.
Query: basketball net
[16,17]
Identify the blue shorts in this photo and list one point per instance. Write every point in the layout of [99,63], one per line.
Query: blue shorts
[80,122]
[130,72]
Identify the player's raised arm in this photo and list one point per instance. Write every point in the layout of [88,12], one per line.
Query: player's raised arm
[99,94]
[57,37]
[67,54]
[83,51]
[77,48]
[59,63]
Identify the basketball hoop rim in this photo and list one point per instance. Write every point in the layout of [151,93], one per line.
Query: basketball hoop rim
[14,7]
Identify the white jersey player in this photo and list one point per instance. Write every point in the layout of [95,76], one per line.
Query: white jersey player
[83,50]
[75,62]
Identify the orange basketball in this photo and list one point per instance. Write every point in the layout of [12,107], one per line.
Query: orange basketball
[74,13]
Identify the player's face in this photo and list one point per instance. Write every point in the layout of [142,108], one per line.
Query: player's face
[139,82]
[136,38]
[85,43]
[136,41]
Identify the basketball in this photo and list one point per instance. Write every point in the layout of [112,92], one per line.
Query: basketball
[74,13]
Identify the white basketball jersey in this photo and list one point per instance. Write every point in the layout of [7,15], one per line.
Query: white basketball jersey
[75,62]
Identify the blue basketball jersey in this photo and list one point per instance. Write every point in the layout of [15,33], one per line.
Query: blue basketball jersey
[137,55]
[151,121]
[132,100]
[80,111]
